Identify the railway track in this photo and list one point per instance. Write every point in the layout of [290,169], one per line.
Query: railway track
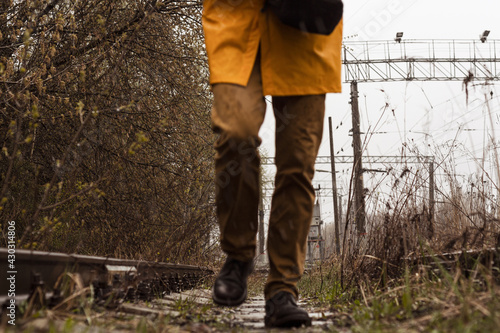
[466,260]
[43,273]
[162,290]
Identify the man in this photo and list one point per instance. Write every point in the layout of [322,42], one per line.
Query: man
[252,54]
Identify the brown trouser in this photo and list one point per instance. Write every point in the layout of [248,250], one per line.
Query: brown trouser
[237,115]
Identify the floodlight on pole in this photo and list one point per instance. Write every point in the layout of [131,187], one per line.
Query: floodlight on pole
[399,36]
[484,36]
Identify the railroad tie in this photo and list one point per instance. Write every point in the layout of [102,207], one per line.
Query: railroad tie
[248,316]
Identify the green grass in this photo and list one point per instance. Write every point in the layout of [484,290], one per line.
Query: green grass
[442,302]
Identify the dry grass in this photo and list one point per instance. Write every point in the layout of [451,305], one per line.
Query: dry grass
[379,285]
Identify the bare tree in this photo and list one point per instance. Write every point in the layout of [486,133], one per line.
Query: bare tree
[105,128]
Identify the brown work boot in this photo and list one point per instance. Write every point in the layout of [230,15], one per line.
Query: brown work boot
[230,287]
[282,311]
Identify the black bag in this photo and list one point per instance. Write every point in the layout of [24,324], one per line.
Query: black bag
[313,16]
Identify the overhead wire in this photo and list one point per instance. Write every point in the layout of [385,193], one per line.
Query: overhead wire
[449,123]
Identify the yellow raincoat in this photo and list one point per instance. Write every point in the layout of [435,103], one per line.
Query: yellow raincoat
[292,62]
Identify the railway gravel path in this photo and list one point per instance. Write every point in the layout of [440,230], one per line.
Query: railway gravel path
[247,317]
[187,311]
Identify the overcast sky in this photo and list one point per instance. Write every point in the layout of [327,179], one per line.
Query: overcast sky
[422,19]
[427,115]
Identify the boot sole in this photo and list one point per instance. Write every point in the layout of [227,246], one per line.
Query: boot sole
[289,321]
[227,301]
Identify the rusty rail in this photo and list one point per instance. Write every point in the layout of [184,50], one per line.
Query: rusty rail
[121,278]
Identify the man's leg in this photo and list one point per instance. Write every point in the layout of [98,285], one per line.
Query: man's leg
[237,115]
[299,129]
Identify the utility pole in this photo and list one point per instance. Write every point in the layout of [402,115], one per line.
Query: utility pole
[497,208]
[359,197]
[334,189]
[431,191]
[261,214]
[341,218]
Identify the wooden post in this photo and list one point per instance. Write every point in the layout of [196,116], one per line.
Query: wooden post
[334,189]
[358,166]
